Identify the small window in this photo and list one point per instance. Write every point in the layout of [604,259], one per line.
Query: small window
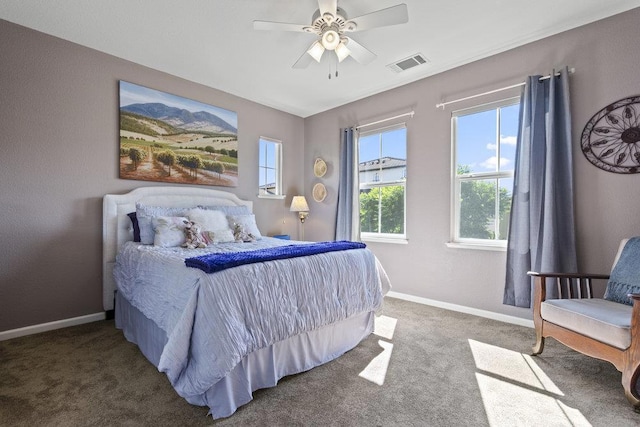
[484,149]
[382,180]
[270,168]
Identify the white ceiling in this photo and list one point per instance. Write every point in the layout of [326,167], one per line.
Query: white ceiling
[212,42]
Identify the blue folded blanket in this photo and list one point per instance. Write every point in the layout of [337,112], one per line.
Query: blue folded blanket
[212,263]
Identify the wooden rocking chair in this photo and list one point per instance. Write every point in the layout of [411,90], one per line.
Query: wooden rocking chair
[597,327]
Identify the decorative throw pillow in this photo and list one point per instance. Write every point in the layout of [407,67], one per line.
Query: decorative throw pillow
[169,230]
[134,226]
[247,223]
[145,215]
[214,225]
[625,276]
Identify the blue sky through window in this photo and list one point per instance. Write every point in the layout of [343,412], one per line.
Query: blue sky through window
[267,162]
[393,145]
[477,139]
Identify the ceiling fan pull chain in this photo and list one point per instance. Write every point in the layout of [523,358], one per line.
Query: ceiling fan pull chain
[336,63]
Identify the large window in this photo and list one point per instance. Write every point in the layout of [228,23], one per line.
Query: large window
[270,168]
[383,177]
[484,147]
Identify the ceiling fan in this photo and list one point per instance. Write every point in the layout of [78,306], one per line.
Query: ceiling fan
[330,23]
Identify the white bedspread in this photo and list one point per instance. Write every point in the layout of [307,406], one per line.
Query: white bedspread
[213,320]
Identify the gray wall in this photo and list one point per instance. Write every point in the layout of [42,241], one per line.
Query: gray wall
[59,156]
[59,123]
[606,56]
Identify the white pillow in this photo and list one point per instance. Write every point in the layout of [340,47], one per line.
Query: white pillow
[145,215]
[213,223]
[169,231]
[247,222]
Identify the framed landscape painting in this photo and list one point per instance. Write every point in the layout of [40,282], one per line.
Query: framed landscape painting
[167,138]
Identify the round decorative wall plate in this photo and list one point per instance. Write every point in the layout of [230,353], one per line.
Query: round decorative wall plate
[611,139]
[319,192]
[319,168]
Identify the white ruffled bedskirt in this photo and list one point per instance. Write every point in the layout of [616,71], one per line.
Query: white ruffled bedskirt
[259,369]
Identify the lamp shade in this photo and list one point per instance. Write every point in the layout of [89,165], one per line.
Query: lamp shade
[342,51]
[316,50]
[299,204]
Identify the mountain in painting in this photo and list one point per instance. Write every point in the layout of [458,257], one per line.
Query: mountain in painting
[201,121]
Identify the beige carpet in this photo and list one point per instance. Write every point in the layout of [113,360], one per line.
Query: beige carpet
[429,367]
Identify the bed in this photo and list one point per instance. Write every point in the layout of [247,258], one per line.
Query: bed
[220,336]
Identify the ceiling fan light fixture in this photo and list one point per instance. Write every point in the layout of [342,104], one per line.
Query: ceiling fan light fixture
[330,24]
[316,50]
[330,39]
[342,51]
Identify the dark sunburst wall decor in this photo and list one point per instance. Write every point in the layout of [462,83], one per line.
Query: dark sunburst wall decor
[611,139]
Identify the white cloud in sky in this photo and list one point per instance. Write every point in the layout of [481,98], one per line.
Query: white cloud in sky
[492,162]
[506,140]
[510,140]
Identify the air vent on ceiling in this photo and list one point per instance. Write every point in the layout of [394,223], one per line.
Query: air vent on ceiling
[410,62]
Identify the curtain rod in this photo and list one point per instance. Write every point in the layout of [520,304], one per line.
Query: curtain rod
[444,104]
[410,113]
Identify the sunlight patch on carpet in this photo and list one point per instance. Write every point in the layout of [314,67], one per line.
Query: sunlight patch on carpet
[515,390]
[385,326]
[376,370]
[511,365]
[508,404]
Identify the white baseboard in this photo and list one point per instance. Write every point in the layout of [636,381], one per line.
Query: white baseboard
[58,324]
[50,326]
[463,309]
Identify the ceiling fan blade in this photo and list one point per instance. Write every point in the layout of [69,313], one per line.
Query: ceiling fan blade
[381,18]
[303,61]
[328,6]
[278,26]
[359,52]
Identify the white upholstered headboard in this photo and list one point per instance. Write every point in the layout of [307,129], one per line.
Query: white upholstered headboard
[117,228]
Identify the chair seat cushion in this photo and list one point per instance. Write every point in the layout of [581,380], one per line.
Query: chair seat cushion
[600,319]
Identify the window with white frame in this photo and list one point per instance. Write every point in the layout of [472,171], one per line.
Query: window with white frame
[270,168]
[484,147]
[382,179]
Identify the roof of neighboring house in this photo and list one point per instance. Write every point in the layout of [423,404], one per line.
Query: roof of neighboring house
[382,163]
